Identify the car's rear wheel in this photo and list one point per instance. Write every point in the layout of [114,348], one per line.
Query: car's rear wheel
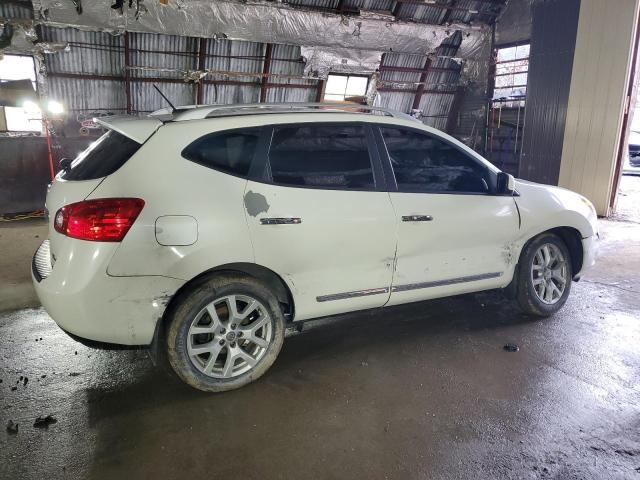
[544,275]
[225,333]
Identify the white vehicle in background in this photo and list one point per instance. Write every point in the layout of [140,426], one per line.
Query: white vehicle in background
[631,164]
[210,229]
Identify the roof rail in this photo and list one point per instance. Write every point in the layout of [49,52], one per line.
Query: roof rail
[212,111]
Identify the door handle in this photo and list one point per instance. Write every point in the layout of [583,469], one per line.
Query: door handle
[417,218]
[281,221]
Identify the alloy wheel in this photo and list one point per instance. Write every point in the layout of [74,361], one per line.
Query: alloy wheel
[229,336]
[549,273]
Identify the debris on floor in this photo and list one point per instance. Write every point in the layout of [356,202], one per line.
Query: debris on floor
[12,428]
[629,453]
[44,422]
[511,347]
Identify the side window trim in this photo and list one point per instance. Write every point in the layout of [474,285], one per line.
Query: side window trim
[259,164]
[379,176]
[386,159]
[263,168]
[254,160]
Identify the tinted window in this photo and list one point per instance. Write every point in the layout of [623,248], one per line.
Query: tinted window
[329,156]
[102,157]
[230,152]
[423,163]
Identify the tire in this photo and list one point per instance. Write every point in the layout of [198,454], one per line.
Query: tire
[534,291]
[244,348]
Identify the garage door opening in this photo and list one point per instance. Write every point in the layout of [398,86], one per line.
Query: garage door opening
[25,116]
[625,196]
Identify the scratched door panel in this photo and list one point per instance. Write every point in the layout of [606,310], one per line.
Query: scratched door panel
[465,246]
[343,244]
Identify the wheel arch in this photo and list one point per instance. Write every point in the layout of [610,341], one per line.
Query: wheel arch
[572,238]
[271,279]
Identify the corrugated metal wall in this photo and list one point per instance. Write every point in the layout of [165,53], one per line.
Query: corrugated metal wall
[15,10]
[436,106]
[601,70]
[287,61]
[553,40]
[514,24]
[399,100]
[91,76]
[400,74]
[115,73]
[472,117]
[160,57]
[104,73]
[225,56]
[72,76]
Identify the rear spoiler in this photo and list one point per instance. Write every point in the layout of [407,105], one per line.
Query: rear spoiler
[138,129]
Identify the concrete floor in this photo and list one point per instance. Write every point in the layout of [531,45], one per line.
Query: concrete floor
[417,391]
[19,241]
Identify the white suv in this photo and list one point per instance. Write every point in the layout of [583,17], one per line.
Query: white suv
[210,229]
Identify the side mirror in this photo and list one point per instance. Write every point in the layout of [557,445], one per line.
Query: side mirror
[506,184]
[65,164]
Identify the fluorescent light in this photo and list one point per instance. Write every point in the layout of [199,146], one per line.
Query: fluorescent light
[55,107]
[30,106]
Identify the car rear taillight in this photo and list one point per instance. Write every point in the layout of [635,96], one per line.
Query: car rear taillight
[100,220]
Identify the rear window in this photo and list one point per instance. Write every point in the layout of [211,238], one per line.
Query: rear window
[231,151]
[102,157]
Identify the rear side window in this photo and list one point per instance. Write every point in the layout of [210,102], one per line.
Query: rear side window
[324,156]
[424,163]
[230,152]
[102,157]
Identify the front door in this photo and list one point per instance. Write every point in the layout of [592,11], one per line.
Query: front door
[322,219]
[454,234]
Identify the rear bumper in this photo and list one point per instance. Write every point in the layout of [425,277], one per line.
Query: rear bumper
[86,302]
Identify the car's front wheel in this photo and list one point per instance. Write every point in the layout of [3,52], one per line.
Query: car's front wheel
[225,333]
[544,275]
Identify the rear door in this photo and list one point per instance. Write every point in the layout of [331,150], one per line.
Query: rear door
[321,218]
[455,235]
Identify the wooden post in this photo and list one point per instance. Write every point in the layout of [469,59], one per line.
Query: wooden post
[127,63]
[452,118]
[421,87]
[202,51]
[265,70]
[320,92]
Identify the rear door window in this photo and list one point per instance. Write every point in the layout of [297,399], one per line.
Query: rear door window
[230,151]
[102,157]
[321,156]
